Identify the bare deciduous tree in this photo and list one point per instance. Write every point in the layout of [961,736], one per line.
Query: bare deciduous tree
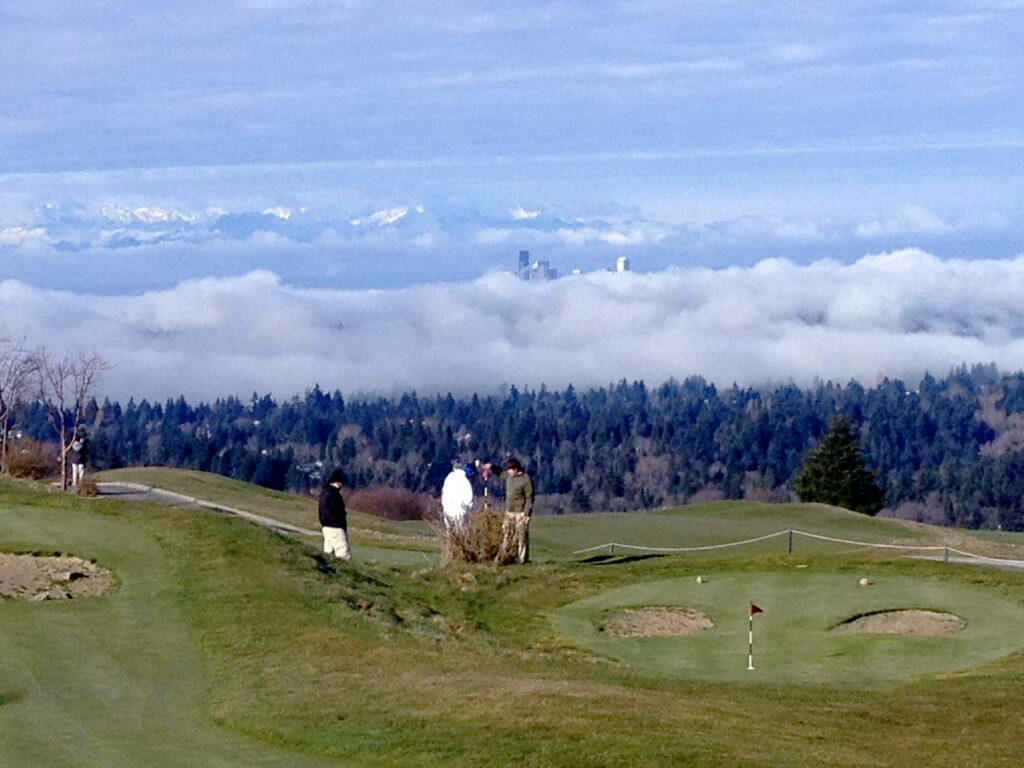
[64,387]
[15,370]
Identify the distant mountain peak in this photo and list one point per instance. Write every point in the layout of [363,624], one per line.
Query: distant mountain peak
[386,216]
[147,214]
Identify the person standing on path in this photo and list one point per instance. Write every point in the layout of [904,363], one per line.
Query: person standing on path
[333,517]
[519,495]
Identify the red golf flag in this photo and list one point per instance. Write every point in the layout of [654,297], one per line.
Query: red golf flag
[754,609]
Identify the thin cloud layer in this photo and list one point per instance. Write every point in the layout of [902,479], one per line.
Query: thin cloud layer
[113,247]
[897,314]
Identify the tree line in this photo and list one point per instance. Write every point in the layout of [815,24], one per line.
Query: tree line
[949,451]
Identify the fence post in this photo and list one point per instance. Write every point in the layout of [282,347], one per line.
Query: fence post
[789,542]
[947,554]
[611,548]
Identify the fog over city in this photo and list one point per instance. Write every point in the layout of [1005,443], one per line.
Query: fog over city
[896,314]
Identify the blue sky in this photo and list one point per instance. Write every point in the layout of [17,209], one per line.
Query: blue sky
[356,145]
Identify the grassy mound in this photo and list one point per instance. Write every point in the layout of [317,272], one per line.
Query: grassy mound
[228,645]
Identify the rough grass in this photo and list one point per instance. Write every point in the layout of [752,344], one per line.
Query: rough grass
[226,644]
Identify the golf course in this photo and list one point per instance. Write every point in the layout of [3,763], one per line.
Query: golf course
[221,642]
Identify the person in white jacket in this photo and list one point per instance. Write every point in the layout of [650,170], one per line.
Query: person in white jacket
[457,495]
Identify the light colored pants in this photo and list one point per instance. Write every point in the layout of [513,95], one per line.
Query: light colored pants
[515,530]
[336,543]
[77,474]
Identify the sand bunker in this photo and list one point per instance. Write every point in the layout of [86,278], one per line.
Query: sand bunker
[920,623]
[656,622]
[60,577]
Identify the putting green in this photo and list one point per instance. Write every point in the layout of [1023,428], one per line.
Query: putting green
[792,638]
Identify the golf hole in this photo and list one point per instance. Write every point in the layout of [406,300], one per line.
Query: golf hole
[902,622]
[656,621]
[54,577]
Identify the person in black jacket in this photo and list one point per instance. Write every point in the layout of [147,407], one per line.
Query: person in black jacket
[76,458]
[333,519]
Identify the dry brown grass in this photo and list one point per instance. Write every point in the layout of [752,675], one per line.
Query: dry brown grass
[484,538]
[30,458]
[88,487]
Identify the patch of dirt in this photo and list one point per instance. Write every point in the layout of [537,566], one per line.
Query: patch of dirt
[656,622]
[58,577]
[919,623]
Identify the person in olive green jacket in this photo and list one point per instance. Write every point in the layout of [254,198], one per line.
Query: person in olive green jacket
[515,529]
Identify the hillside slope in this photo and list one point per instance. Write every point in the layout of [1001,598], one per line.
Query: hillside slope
[226,644]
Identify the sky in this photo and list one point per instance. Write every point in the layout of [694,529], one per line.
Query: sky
[353,177]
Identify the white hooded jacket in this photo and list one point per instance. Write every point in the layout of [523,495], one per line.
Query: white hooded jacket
[456,496]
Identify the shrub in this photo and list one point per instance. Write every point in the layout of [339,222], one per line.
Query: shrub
[30,458]
[483,538]
[392,503]
[88,487]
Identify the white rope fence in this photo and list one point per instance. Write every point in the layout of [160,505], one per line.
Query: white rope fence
[867,543]
[789,533]
[613,544]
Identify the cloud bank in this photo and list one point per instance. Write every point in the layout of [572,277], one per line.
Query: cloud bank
[896,314]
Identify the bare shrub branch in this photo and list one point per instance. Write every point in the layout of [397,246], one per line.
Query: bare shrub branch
[64,386]
[15,374]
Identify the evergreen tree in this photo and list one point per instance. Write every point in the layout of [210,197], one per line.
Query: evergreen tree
[836,474]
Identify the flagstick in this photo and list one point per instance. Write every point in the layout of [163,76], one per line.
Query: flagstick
[750,644]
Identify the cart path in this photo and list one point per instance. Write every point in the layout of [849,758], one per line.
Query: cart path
[150,493]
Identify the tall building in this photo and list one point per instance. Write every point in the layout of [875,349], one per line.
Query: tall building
[542,270]
[622,264]
[524,265]
[538,270]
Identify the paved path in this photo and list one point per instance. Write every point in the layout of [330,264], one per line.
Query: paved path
[161,496]
[991,562]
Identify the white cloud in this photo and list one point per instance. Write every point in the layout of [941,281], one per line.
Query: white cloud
[576,234]
[21,235]
[612,236]
[892,314]
[912,219]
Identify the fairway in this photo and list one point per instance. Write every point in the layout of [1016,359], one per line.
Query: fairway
[793,639]
[111,681]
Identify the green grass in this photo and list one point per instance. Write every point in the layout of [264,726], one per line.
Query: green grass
[376,533]
[227,644]
[720,522]
[800,607]
[110,681]
[1004,537]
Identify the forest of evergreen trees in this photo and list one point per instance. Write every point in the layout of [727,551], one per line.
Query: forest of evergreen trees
[950,451]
